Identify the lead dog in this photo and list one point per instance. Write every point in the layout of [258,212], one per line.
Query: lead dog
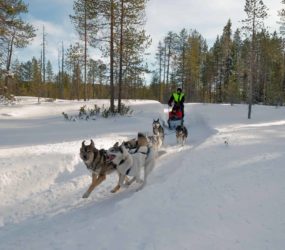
[132,164]
[158,129]
[157,138]
[96,161]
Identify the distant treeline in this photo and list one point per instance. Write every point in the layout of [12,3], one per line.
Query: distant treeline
[243,66]
[221,73]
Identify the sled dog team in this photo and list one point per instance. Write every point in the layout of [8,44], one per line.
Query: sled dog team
[134,158]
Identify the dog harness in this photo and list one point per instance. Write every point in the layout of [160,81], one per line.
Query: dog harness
[120,163]
[136,151]
[94,165]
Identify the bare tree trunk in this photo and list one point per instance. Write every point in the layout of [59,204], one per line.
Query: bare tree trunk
[251,80]
[164,63]
[252,69]
[168,59]
[160,78]
[44,56]
[112,89]
[85,50]
[121,57]
[183,67]
[8,65]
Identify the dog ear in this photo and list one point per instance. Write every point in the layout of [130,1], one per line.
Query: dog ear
[83,144]
[116,144]
[141,135]
[124,150]
[92,144]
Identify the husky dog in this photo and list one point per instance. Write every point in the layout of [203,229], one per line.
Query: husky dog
[96,161]
[131,144]
[158,130]
[131,164]
[155,141]
[181,134]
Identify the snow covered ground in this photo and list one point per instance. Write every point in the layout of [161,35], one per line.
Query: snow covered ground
[225,189]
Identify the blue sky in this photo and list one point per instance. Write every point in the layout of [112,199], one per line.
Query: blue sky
[54,16]
[207,16]
[50,11]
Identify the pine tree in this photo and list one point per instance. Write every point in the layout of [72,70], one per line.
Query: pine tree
[131,41]
[281,14]
[43,61]
[97,76]
[36,78]
[86,21]
[271,69]
[236,86]
[226,71]
[193,65]
[159,58]
[181,48]
[14,32]
[169,43]
[74,62]
[256,11]
[49,72]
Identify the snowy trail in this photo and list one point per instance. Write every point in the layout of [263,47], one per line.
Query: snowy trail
[223,190]
[43,180]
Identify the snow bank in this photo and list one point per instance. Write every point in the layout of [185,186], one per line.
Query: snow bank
[223,190]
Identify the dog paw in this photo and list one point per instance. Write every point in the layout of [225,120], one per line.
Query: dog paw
[139,188]
[115,189]
[140,181]
[85,195]
[125,185]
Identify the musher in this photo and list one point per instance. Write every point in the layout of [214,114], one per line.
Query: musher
[177,100]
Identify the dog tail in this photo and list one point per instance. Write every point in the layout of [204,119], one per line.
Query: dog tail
[142,140]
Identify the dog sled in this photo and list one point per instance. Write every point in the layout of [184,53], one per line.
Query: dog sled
[175,117]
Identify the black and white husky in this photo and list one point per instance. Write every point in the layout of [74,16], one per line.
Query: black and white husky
[136,164]
[158,134]
[181,134]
